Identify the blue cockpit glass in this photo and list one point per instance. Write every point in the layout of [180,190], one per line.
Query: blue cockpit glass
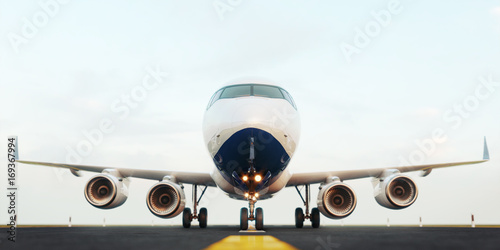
[244,90]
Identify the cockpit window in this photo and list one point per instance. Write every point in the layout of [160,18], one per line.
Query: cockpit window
[289,98]
[214,98]
[236,91]
[267,91]
[251,90]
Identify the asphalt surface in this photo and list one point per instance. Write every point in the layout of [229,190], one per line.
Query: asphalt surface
[306,238]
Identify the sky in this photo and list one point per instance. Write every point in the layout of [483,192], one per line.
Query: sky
[377,84]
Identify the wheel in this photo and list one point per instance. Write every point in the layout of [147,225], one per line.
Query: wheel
[299,217]
[202,217]
[315,217]
[259,218]
[186,218]
[244,218]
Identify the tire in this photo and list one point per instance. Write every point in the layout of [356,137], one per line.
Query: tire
[244,218]
[202,217]
[315,217]
[299,217]
[259,218]
[186,217]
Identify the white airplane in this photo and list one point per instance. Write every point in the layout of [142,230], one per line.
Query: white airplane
[251,131]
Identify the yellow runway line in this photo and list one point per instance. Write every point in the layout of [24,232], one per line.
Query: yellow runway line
[250,242]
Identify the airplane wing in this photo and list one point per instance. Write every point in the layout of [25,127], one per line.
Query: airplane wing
[318,177]
[180,176]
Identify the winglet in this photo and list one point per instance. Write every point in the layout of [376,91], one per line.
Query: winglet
[486,154]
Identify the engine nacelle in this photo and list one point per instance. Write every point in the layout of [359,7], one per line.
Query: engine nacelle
[336,200]
[396,192]
[166,199]
[106,191]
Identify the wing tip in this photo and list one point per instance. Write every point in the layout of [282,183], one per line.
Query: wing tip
[486,154]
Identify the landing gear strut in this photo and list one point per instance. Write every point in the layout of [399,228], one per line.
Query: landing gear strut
[299,213]
[251,180]
[187,216]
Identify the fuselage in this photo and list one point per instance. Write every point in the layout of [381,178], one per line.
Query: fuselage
[240,115]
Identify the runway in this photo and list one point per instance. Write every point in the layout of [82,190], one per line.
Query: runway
[229,237]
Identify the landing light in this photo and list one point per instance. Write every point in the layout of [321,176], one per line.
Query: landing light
[257,195]
[245,178]
[258,178]
[246,195]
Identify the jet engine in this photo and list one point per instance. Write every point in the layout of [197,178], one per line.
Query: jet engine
[396,192]
[106,191]
[166,199]
[336,200]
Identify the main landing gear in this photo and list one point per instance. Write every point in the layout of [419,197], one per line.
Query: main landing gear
[299,213]
[187,216]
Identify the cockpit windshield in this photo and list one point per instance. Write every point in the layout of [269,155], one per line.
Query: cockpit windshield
[267,91]
[236,91]
[243,90]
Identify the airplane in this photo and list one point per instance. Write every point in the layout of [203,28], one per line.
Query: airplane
[251,131]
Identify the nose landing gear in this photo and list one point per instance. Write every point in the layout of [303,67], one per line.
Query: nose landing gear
[251,180]
[258,216]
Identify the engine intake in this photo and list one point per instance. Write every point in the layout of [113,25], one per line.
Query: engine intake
[396,192]
[336,200]
[166,199]
[106,191]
